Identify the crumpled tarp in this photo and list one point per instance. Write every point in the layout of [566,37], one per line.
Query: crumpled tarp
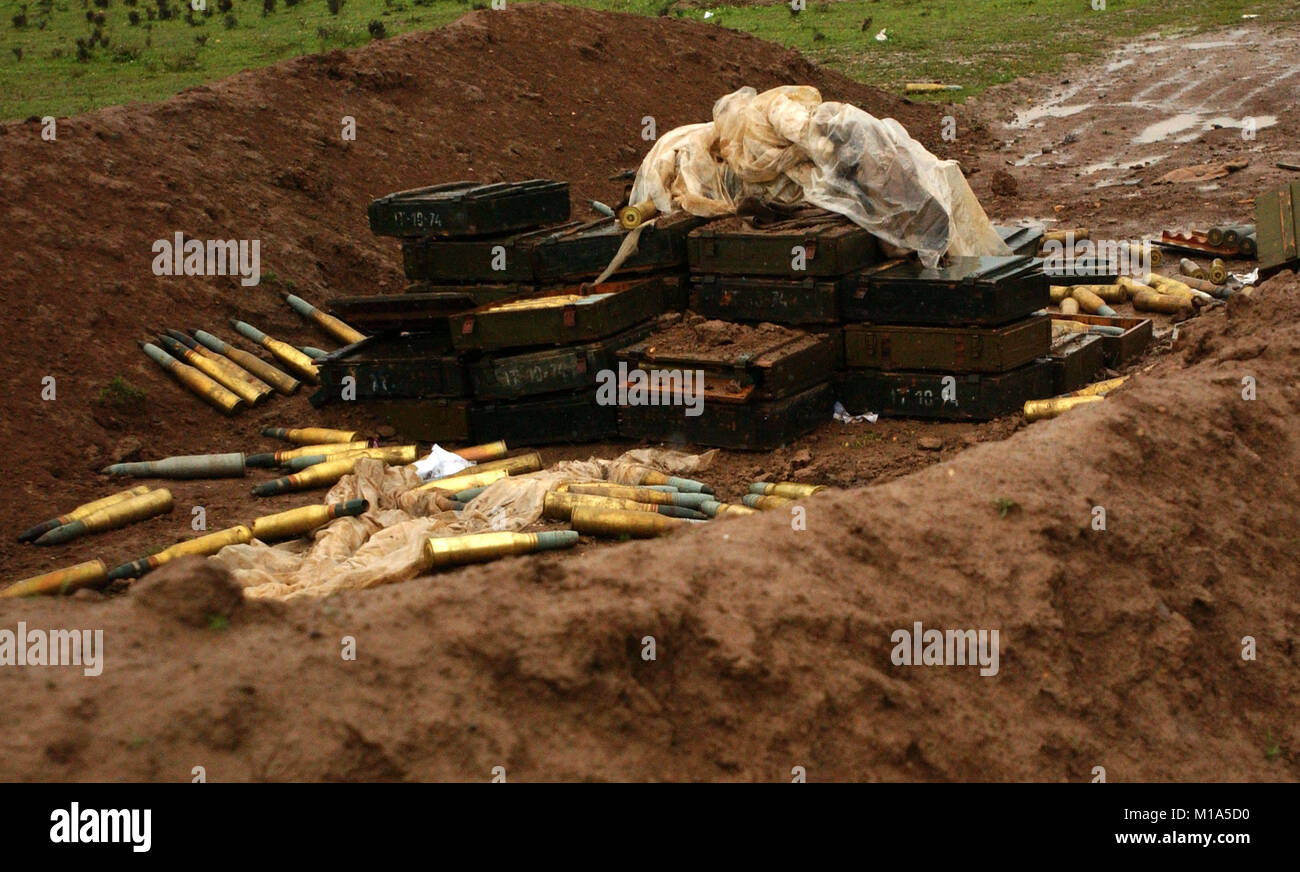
[385,544]
[786,146]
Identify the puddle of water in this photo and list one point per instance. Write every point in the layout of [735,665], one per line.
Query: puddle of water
[1029,116]
[1192,125]
[1024,161]
[1126,165]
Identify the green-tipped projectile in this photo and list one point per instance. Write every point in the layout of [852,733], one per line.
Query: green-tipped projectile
[333,326]
[184,466]
[312,352]
[282,382]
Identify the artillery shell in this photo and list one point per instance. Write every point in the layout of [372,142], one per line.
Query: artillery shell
[622,491]
[461,481]
[60,581]
[312,435]
[333,326]
[1189,267]
[766,503]
[685,485]
[274,458]
[617,523]
[320,475]
[788,489]
[1077,233]
[481,547]
[1218,271]
[201,546]
[261,390]
[213,370]
[1168,304]
[184,466]
[1101,388]
[1037,410]
[559,506]
[715,509]
[517,465]
[1090,302]
[281,381]
[1214,236]
[137,508]
[198,383]
[81,511]
[296,522]
[1069,306]
[632,217]
[291,357]
[486,451]
[1059,292]
[1247,246]
[395,455]
[313,352]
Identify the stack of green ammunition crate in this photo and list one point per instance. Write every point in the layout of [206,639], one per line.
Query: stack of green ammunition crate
[497,338]
[966,340]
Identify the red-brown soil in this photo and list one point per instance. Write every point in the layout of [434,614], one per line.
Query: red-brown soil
[1119,648]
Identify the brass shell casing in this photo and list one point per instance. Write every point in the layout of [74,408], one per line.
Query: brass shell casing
[281,381]
[1154,301]
[632,217]
[291,357]
[313,435]
[517,465]
[765,503]
[328,449]
[207,389]
[296,522]
[60,581]
[616,523]
[486,451]
[463,481]
[261,390]
[1038,410]
[137,508]
[481,547]
[788,489]
[621,491]
[559,506]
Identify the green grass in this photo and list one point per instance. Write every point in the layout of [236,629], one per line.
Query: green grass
[974,43]
[120,392]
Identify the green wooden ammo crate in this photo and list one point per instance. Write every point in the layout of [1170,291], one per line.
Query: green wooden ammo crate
[569,252]
[948,349]
[568,417]
[1118,350]
[504,376]
[826,245]
[1277,219]
[1022,240]
[790,363]
[933,395]
[753,426]
[377,314]
[470,208]
[982,291]
[565,316]
[406,366]
[427,420]
[1077,360]
[799,302]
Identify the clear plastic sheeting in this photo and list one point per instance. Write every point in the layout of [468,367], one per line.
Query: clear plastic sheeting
[786,146]
[386,544]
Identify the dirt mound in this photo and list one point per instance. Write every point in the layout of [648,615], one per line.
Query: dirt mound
[1120,647]
[191,591]
[532,91]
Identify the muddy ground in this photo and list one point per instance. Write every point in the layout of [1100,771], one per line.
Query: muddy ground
[1121,647]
